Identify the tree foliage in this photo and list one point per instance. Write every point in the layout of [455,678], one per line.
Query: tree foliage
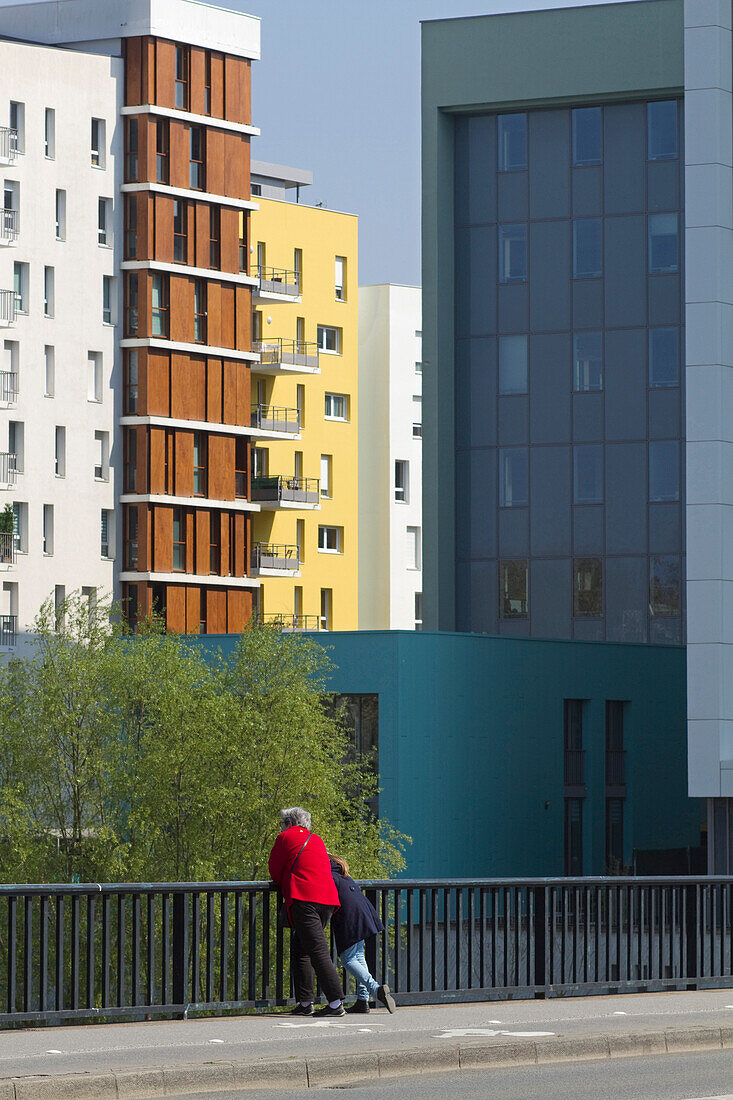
[139,758]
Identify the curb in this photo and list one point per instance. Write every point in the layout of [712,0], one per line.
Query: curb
[329,1070]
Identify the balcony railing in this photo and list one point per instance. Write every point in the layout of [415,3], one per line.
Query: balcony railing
[9,225]
[615,768]
[275,556]
[7,548]
[293,622]
[8,144]
[7,307]
[8,469]
[293,353]
[271,418]
[8,629]
[278,280]
[302,490]
[240,483]
[574,767]
[8,387]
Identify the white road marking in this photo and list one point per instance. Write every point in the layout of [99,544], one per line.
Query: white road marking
[54,1052]
[315,1023]
[620,1013]
[216,1040]
[369,1029]
[473,1032]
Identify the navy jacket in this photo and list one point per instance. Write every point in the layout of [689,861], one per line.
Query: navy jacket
[356,918]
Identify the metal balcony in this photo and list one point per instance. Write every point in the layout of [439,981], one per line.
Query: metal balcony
[615,768]
[8,469]
[7,308]
[275,558]
[286,354]
[279,281]
[280,491]
[8,629]
[8,388]
[574,767]
[273,419]
[7,548]
[8,145]
[9,226]
[292,622]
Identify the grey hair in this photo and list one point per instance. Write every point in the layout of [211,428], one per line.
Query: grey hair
[294,815]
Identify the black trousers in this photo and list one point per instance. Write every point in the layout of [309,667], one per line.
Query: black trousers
[309,952]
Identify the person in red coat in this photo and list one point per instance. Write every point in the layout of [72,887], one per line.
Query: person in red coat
[301,867]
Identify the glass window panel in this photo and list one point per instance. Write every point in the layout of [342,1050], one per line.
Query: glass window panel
[513,589]
[513,465]
[588,474]
[664,585]
[587,248]
[512,253]
[664,472]
[664,356]
[587,361]
[587,142]
[512,134]
[663,243]
[587,588]
[512,364]
[661,129]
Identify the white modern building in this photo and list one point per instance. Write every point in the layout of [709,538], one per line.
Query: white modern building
[390,457]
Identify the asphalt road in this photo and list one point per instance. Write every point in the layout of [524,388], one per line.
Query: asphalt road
[700,1076]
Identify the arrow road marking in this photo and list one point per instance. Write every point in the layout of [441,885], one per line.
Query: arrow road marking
[471,1032]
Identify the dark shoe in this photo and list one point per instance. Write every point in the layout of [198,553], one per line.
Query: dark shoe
[384,995]
[302,1010]
[328,1011]
[359,1006]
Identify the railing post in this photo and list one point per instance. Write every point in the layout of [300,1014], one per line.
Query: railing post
[180,949]
[540,939]
[691,936]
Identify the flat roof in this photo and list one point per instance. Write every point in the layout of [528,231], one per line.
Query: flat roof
[288,177]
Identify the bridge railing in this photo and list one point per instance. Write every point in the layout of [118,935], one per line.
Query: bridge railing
[134,950]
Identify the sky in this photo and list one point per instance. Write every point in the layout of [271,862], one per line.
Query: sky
[338,92]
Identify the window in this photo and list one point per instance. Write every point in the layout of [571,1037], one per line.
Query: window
[664,585]
[49,281]
[243,265]
[160,305]
[49,354]
[260,463]
[329,339]
[131,149]
[214,545]
[11,196]
[132,315]
[60,215]
[615,769]
[20,286]
[340,279]
[17,123]
[199,311]
[98,142]
[49,133]
[587,249]
[418,368]
[162,146]
[60,451]
[298,268]
[130,381]
[183,56]
[588,474]
[512,253]
[417,417]
[326,608]
[214,237]
[587,361]
[587,588]
[20,526]
[326,475]
[106,523]
[418,611]
[48,529]
[199,464]
[130,540]
[207,82]
[664,356]
[663,243]
[107,302]
[661,130]
[180,231]
[513,589]
[512,364]
[255,189]
[179,540]
[130,475]
[414,548]
[16,443]
[330,539]
[573,837]
[300,405]
[59,601]
[664,473]
[402,481]
[615,836]
[197,145]
[104,222]
[512,135]
[94,389]
[101,459]
[130,227]
[513,466]
[587,139]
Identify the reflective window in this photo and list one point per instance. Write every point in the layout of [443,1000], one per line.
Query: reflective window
[664,356]
[587,142]
[588,474]
[512,253]
[664,585]
[513,466]
[587,248]
[663,243]
[587,588]
[587,361]
[661,129]
[512,364]
[664,472]
[512,134]
[513,589]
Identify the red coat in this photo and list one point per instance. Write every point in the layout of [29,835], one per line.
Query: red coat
[311,880]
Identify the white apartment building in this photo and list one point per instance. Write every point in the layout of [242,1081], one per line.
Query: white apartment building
[59,224]
[390,457]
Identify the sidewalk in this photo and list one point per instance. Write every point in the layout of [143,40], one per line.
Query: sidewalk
[268,1051]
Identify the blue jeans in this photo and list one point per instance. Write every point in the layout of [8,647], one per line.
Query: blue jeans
[355,964]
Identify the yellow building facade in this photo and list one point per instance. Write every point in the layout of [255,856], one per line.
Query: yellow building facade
[305,327]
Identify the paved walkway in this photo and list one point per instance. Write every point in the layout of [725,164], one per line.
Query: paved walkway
[136,1061]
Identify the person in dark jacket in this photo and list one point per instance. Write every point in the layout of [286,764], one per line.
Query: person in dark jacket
[354,920]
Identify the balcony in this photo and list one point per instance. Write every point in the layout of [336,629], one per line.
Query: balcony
[8,629]
[288,356]
[271,560]
[7,308]
[8,469]
[574,767]
[279,491]
[8,389]
[278,284]
[9,225]
[615,768]
[270,418]
[8,145]
[7,548]
[292,622]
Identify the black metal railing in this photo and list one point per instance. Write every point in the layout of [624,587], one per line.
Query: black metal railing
[275,556]
[278,280]
[8,387]
[8,629]
[9,226]
[615,768]
[137,950]
[279,488]
[288,353]
[574,767]
[7,307]
[292,622]
[8,143]
[7,548]
[8,468]
[273,418]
